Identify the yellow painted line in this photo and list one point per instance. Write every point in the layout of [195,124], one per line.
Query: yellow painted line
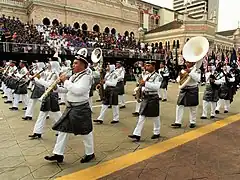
[127,160]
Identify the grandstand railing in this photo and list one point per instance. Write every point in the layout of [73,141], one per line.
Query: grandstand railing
[10,47]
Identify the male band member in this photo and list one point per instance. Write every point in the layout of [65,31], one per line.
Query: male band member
[110,95]
[5,74]
[213,81]
[120,71]
[188,97]
[77,117]
[37,91]
[150,104]
[92,86]
[138,104]
[96,77]
[21,90]
[10,83]
[225,91]
[163,71]
[64,68]
[50,104]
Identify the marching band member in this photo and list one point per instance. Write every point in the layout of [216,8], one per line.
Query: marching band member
[77,118]
[5,73]
[67,65]
[37,90]
[51,103]
[213,80]
[138,104]
[110,95]
[188,97]
[120,71]
[21,90]
[225,91]
[10,84]
[90,72]
[163,71]
[150,104]
[96,77]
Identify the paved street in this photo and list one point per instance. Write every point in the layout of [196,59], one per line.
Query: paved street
[21,158]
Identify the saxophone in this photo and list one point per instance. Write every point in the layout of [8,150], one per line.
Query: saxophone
[139,93]
[53,86]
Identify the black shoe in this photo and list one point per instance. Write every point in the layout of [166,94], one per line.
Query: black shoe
[13,108]
[47,117]
[192,125]
[155,136]
[24,109]
[56,134]
[27,118]
[35,136]
[164,100]
[225,111]
[114,122]
[203,117]
[55,157]
[212,117]
[135,114]
[7,102]
[110,106]
[20,102]
[122,107]
[99,100]
[217,112]
[135,137]
[4,97]
[160,99]
[87,158]
[98,121]
[62,103]
[176,125]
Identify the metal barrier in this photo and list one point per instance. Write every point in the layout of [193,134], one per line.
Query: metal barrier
[45,49]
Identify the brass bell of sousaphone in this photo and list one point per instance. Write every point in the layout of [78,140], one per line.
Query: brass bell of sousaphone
[193,51]
[96,55]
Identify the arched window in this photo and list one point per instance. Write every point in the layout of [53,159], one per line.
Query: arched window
[156,44]
[84,27]
[174,43]
[107,30]
[178,45]
[46,21]
[76,25]
[132,34]
[55,22]
[160,45]
[113,31]
[126,33]
[96,28]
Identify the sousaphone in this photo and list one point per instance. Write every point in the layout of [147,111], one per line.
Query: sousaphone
[193,51]
[96,55]
[83,52]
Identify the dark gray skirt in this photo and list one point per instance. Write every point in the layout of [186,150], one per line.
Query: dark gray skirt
[76,120]
[110,96]
[120,88]
[210,94]
[150,106]
[38,91]
[21,89]
[164,83]
[50,103]
[188,97]
[225,92]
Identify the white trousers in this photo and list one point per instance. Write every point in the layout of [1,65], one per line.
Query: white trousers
[4,88]
[62,97]
[137,107]
[9,94]
[2,85]
[205,108]
[192,114]
[90,103]
[121,100]
[61,142]
[30,107]
[162,93]
[115,112]
[17,99]
[40,123]
[156,125]
[226,104]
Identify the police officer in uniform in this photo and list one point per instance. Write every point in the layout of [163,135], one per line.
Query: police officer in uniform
[77,117]
[150,104]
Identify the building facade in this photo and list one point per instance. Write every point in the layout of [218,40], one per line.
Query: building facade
[197,8]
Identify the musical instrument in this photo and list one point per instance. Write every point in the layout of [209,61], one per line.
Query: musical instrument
[35,75]
[83,52]
[193,51]
[96,56]
[53,86]
[139,93]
